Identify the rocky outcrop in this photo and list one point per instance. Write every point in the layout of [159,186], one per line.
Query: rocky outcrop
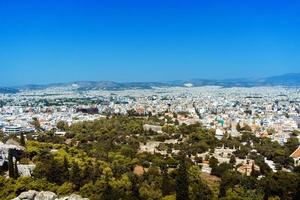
[28,195]
[45,196]
[34,195]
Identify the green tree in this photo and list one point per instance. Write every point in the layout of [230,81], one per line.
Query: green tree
[87,173]
[66,189]
[213,162]
[22,140]
[150,191]
[62,125]
[11,170]
[281,184]
[291,145]
[49,168]
[182,184]
[36,123]
[229,180]
[75,176]
[166,186]
[65,168]
[238,127]
[232,160]
[198,189]
[16,171]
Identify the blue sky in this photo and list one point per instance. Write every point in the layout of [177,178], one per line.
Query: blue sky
[151,40]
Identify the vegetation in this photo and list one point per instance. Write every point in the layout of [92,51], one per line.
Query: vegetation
[99,160]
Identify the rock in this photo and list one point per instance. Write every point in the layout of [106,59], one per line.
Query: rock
[63,198]
[76,197]
[29,195]
[34,195]
[45,196]
[73,197]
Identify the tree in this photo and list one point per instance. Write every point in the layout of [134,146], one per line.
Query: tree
[16,172]
[97,172]
[229,180]
[75,177]
[87,173]
[292,144]
[35,122]
[149,191]
[281,184]
[66,189]
[121,188]
[11,170]
[221,169]
[254,173]
[238,127]
[62,125]
[198,190]
[166,186]
[213,162]
[49,168]
[232,160]
[65,168]
[182,184]
[22,140]
[240,193]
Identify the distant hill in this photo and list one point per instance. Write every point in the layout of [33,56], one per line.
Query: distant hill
[7,90]
[289,80]
[292,79]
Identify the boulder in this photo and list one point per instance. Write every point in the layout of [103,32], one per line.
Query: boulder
[29,195]
[76,197]
[45,196]
[34,195]
[73,197]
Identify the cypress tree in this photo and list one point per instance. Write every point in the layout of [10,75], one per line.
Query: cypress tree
[182,185]
[166,190]
[66,166]
[11,170]
[16,171]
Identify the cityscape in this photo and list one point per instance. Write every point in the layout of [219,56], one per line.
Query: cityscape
[149,100]
[228,114]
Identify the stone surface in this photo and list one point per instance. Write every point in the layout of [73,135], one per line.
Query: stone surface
[28,195]
[45,196]
[76,197]
[34,195]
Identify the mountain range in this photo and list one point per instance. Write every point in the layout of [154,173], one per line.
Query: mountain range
[288,80]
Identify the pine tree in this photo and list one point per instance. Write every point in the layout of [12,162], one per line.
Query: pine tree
[10,165]
[182,185]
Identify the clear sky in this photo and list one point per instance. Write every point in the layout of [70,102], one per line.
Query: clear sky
[46,41]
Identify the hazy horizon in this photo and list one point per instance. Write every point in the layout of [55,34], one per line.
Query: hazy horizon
[153,81]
